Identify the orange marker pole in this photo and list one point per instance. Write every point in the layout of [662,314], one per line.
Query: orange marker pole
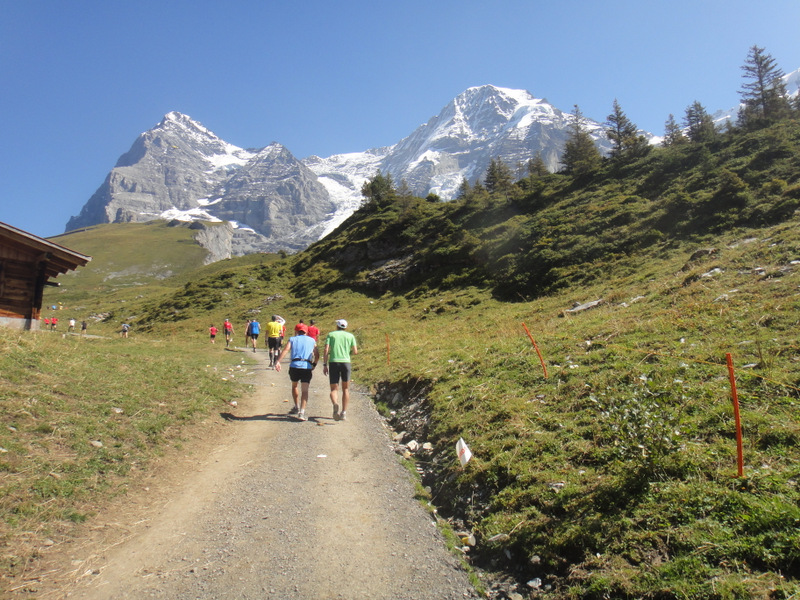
[535,347]
[388,351]
[736,417]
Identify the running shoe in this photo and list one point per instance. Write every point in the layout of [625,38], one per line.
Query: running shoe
[302,416]
[335,412]
[343,416]
[294,410]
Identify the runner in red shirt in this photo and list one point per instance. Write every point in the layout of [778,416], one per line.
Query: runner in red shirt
[227,327]
[313,330]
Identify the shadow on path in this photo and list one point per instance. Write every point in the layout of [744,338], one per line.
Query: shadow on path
[276,417]
[265,417]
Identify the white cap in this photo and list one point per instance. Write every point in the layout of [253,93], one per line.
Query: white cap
[341,323]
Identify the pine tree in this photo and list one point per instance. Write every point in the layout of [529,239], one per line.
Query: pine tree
[498,178]
[404,190]
[379,191]
[699,125]
[536,166]
[581,157]
[627,143]
[764,96]
[464,190]
[673,134]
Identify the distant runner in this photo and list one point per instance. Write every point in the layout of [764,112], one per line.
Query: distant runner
[255,329]
[247,333]
[227,329]
[313,330]
[274,329]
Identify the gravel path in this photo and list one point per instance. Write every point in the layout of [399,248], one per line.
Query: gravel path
[274,508]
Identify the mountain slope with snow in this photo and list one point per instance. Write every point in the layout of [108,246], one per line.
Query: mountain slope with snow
[176,166]
[480,124]
[181,170]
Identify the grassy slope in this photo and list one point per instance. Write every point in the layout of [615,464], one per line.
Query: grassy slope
[615,475]
[81,415]
[125,258]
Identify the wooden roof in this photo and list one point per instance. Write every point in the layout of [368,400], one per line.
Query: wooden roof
[58,259]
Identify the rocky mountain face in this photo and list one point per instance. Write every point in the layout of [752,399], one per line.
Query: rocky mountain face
[177,165]
[181,170]
[278,197]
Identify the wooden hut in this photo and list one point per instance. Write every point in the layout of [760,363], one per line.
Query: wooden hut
[27,264]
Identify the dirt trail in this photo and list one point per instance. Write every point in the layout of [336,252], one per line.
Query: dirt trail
[269,508]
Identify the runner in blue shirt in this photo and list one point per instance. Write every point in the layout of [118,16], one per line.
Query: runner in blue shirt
[304,357]
[255,329]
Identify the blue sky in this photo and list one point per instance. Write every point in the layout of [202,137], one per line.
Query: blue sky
[81,80]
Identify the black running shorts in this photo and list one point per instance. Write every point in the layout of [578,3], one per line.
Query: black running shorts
[298,374]
[337,371]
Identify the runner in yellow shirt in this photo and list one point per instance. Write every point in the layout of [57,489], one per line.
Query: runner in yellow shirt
[274,330]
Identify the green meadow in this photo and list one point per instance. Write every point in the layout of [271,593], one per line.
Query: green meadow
[607,468]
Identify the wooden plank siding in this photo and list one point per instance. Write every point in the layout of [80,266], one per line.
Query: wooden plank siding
[27,263]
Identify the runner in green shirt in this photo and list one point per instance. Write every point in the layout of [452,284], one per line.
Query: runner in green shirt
[336,364]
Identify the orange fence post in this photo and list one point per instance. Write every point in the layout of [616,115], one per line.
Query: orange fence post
[737,419]
[535,347]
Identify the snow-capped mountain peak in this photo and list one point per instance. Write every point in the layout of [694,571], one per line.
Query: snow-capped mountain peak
[483,105]
[481,123]
[186,134]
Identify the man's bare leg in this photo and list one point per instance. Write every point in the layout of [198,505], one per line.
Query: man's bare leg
[296,395]
[345,395]
[335,400]
[345,400]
